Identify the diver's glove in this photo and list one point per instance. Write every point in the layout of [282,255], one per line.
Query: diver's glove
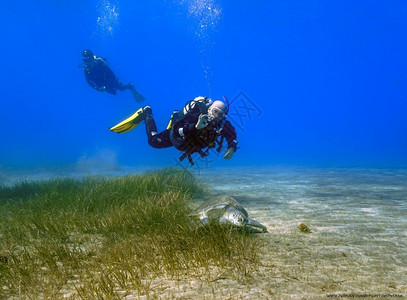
[202,122]
[229,153]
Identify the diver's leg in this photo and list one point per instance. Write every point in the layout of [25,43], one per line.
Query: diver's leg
[156,140]
[136,95]
[110,90]
[121,86]
[151,127]
[129,86]
[160,140]
[111,86]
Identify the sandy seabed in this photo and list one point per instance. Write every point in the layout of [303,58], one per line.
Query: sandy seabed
[357,247]
[296,265]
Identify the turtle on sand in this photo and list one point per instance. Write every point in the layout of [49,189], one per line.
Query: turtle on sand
[226,210]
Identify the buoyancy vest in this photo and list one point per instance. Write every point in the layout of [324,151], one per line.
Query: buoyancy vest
[207,138]
[192,108]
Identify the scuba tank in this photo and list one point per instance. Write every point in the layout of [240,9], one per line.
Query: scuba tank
[202,102]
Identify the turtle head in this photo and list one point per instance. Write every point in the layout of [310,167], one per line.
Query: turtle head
[237,218]
[234,217]
[254,227]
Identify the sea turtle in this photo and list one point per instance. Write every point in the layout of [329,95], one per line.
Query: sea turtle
[226,210]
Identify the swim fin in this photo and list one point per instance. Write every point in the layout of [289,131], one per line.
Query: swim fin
[130,123]
[136,95]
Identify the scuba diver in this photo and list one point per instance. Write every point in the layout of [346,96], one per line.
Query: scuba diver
[200,124]
[100,77]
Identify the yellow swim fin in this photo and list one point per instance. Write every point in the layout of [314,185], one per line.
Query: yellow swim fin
[130,123]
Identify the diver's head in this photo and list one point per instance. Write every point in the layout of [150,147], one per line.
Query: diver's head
[87,55]
[217,111]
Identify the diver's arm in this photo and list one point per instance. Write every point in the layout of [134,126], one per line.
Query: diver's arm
[190,118]
[187,126]
[230,135]
[202,121]
[187,130]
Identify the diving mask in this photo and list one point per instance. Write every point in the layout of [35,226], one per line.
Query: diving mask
[216,112]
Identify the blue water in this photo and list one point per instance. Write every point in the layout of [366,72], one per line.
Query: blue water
[311,83]
[317,93]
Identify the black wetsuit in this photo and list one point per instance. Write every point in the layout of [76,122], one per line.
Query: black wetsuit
[184,136]
[100,77]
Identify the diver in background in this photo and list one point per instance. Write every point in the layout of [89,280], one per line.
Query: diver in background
[100,77]
[200,124]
